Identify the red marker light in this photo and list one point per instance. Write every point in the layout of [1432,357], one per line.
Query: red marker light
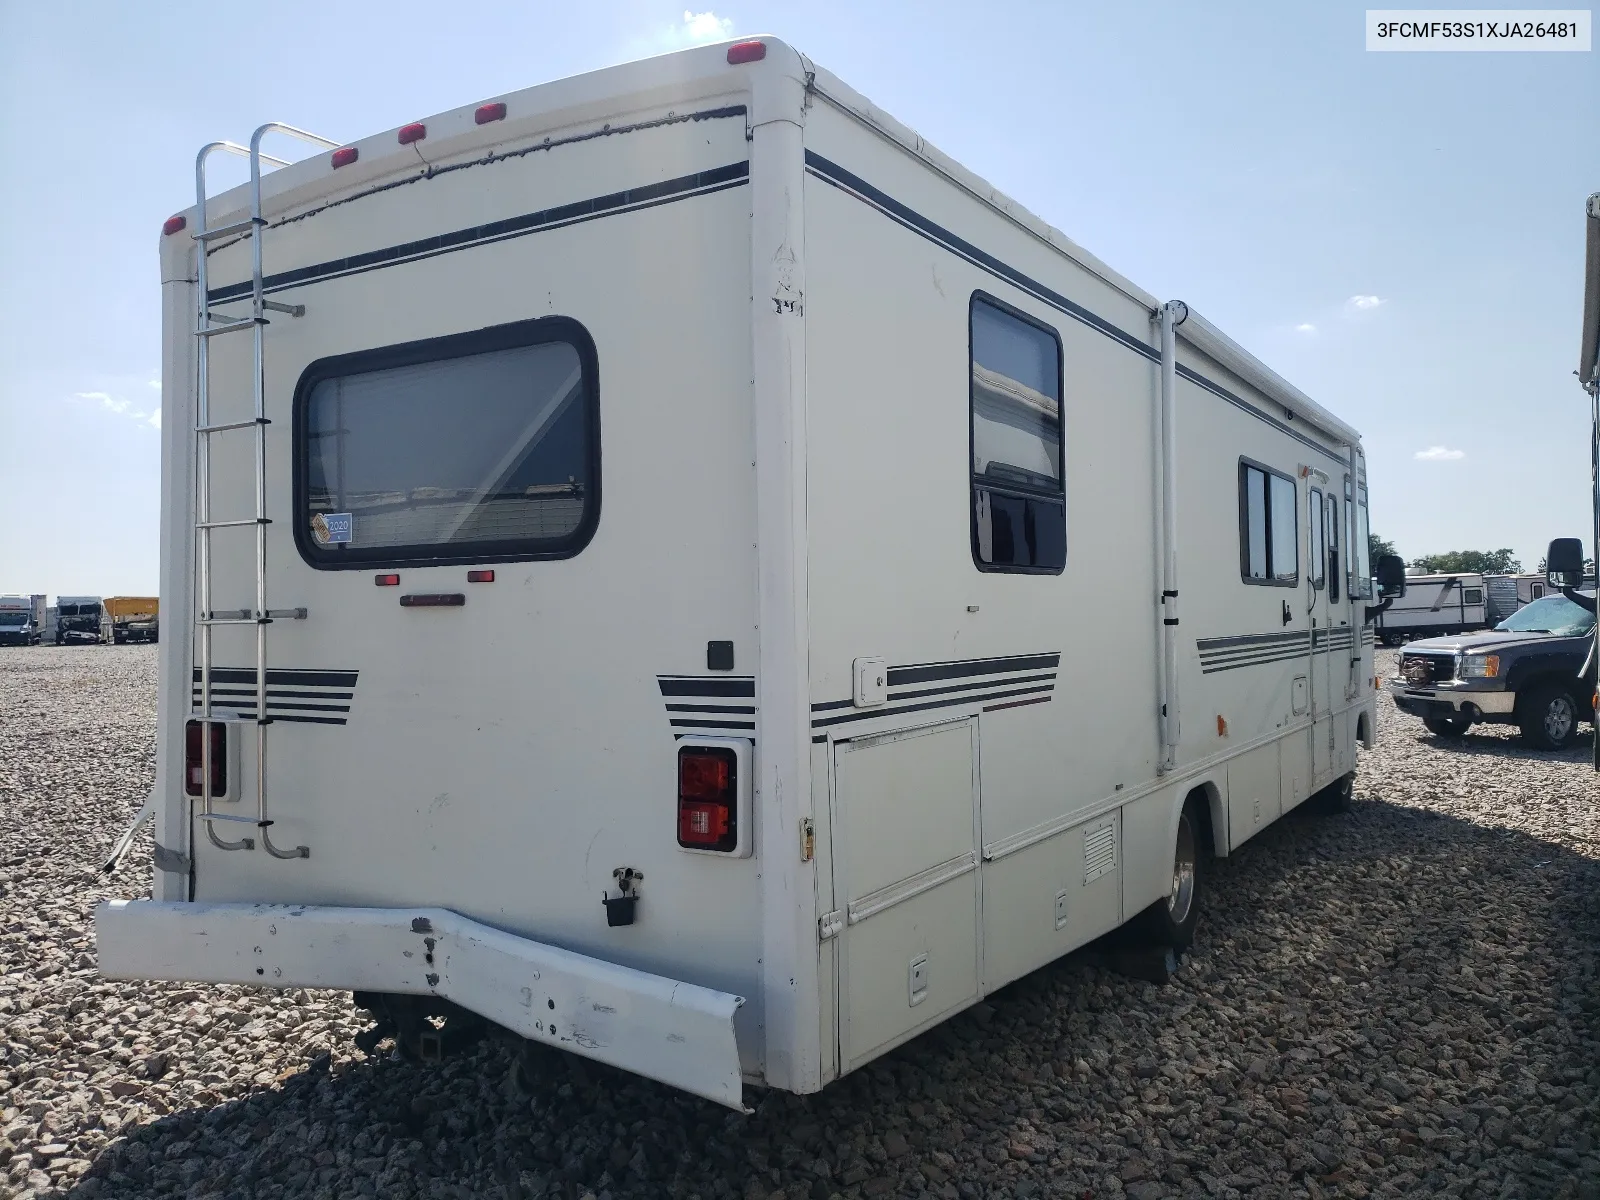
[489,112]
[173,224]
[707,799]
[746,52]
[480,576]
[386,580]
[344,156]
[414,132]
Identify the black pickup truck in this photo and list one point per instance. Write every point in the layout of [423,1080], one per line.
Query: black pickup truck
[1532,670]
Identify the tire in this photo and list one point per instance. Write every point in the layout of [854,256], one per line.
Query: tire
[1170,921]
[1454,728]
[1392,640]
[1339,796]
[1548,716]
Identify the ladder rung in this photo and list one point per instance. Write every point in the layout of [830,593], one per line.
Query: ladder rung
[249,223]
[230,817]
[231,327]
[227,716]
[233,524]
[294,310]
[228,621]
[249,614]
[254,421]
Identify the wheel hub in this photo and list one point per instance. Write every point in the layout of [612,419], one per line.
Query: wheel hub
[1558,718]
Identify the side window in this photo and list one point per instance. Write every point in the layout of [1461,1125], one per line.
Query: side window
[1472,596]
[475,447]
[1019,501]
[1319,550]
[1269,535]
[1538,590]
[1332,527]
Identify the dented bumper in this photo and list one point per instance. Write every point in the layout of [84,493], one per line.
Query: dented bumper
[677,1033]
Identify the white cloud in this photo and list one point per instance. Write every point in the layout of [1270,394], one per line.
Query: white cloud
[1363,303]
[119,406]
[154,382]
[1438,454]
[698,28]
[1305,327]
[107,401]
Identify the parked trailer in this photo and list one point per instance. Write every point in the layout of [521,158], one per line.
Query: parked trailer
[21,620]
[77,619]
[52,622]
[1435,605]
[1505,594]
[130,619]
[739,477]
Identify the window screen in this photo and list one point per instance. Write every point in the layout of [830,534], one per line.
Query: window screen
[1472,596]
[1319,553]
[469,448]
[1269,536]
[1019,510]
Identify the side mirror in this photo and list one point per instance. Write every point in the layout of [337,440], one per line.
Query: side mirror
[1564,563]
[1391,577]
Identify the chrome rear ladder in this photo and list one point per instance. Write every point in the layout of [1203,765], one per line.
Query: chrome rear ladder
[205,617]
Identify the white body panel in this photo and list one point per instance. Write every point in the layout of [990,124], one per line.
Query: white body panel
[958,773]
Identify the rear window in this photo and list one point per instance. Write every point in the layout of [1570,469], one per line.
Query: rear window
[472,448]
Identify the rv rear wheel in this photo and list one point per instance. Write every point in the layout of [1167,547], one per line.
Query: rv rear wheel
[1447,727]
[1170,921]
[1548,716]
[1339,796]
[1392,640]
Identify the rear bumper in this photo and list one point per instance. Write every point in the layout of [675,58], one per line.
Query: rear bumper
[677,1033]
[1448,703]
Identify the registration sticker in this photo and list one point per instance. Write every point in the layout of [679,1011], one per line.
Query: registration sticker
[332,528]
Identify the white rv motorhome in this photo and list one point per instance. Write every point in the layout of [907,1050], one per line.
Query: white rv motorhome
[1433,606]
[647,537]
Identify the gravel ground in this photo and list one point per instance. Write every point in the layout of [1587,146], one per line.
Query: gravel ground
[1399,1001]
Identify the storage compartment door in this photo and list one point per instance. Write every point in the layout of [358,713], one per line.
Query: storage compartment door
[906,847]
[1254,783]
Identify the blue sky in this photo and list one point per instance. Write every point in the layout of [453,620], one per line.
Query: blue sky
[1398,234]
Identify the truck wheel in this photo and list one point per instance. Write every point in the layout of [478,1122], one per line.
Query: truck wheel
[1454,728]
[1170,921]
[1548,716]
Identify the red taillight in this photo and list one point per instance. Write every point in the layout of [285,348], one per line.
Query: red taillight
[480,576]
[489,112]
[707,799]
[344,156]
[194,765]
[414,132]
[174,225]
[386,580]
[746,52]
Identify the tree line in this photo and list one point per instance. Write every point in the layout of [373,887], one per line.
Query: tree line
[1464,562]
